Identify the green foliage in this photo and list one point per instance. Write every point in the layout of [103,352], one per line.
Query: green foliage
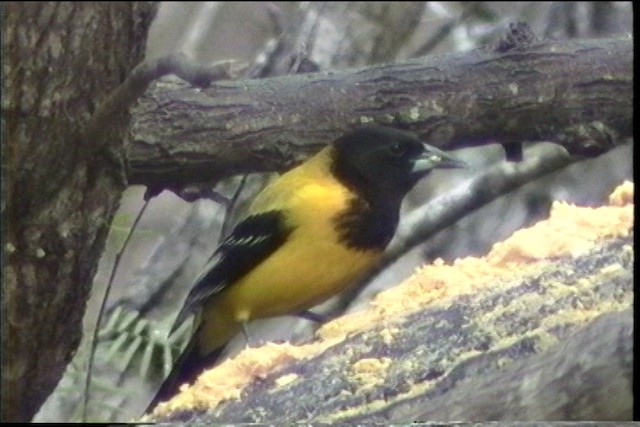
[128,345]
[134,340]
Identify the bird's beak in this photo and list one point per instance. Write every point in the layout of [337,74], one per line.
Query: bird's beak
[434,158]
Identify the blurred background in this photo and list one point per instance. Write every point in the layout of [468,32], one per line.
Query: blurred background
[174,238]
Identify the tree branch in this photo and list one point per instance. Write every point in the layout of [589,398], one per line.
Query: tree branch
[576,93]
[128,93]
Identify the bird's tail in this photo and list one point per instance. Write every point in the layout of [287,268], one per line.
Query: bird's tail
[186,369]
[216,326]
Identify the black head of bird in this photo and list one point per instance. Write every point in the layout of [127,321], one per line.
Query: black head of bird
[386,161]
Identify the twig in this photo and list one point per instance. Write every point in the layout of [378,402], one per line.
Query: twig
[442,33]
[103,304]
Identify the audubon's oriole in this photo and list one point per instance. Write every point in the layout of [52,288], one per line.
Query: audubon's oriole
[308,235]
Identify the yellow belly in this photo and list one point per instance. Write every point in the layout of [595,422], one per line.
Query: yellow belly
[296,278]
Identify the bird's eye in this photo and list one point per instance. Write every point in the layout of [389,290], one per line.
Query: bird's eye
[398,149]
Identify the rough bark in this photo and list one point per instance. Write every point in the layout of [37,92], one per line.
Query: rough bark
[587,377]
[61,186]
[576,93]
[556,346]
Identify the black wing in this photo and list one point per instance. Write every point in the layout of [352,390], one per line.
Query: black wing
[251,241]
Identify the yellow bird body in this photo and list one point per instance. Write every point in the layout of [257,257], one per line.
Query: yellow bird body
[309,256]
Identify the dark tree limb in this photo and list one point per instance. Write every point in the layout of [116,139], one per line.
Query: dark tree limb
[575,93]
[127,94]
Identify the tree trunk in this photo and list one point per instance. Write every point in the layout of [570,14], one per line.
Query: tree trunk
[61,186]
